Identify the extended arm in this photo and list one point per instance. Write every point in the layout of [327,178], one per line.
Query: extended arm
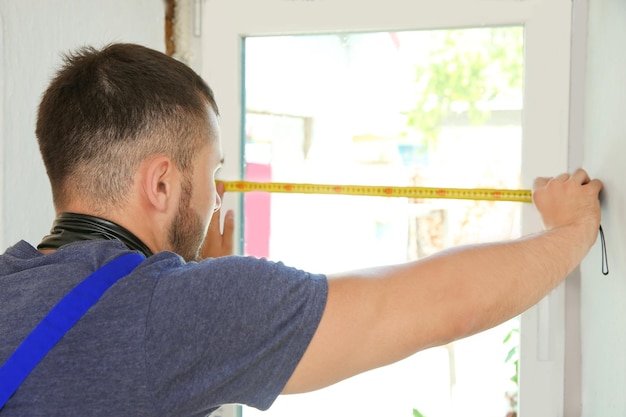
[378,316]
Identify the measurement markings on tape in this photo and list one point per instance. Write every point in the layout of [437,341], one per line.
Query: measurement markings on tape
[522,196]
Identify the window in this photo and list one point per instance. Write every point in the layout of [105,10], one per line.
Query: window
[291,135]
[411,108]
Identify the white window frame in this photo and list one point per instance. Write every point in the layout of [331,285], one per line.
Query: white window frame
[545,121]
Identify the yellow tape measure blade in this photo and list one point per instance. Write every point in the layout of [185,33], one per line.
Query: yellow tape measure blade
[523,196]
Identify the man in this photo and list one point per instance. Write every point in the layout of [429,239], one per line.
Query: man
[130,139]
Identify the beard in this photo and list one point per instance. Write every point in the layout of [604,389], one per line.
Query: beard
[187,232]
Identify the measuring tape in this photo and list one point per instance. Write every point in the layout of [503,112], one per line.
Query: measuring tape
[520,196]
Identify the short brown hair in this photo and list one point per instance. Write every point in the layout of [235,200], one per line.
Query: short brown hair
[107,110]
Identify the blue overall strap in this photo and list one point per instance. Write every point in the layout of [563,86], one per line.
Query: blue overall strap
[59,321]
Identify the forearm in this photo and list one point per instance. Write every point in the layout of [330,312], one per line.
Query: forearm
[381,315]
[467,290]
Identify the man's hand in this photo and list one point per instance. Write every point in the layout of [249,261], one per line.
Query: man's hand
[219,242]
[569,200]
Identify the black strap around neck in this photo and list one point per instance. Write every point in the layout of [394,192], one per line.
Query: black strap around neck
[73,227]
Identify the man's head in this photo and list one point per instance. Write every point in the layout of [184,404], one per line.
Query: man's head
[108,111]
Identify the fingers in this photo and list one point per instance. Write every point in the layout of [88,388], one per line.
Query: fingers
[220,237]
[228,235]
[219,243]
[569,200]
[220,196]
[596,185]
[228,232]
[541,182]
[581,176]
[563,177]
[214,225]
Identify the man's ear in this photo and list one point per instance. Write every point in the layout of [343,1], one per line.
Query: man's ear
[160,182]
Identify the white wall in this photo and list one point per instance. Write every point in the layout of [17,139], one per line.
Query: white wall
[603,305]
[33,35]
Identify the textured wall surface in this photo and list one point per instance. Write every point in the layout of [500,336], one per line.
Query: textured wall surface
[33,35]
[603,308]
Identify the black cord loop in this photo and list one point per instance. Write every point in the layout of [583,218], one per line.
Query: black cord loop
[605,261]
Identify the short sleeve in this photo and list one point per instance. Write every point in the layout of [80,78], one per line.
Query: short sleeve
[229,330]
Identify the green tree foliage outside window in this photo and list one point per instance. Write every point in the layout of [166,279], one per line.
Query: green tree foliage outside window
[464,75]
[470,68]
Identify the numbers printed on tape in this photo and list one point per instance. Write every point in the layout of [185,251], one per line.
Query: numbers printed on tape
[522,196]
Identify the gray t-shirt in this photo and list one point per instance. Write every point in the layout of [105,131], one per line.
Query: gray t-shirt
[171,339]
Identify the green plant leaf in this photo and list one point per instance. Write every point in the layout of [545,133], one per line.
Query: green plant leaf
[416,413]
[511,353]
[470,77]
[510,334]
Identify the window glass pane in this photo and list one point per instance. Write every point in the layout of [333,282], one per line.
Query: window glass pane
[417,108]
